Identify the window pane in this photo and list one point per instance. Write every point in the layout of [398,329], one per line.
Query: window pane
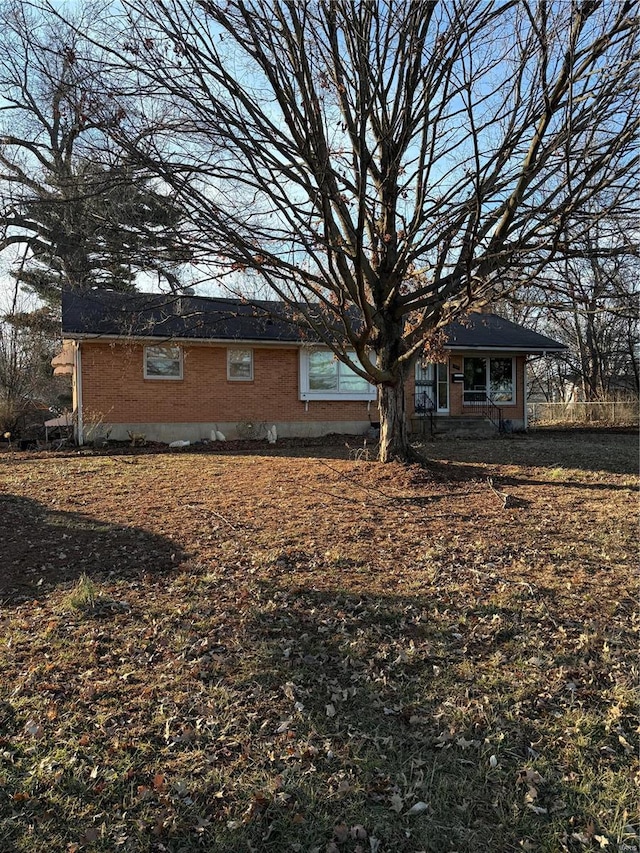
[350,381]
[475,379]
[501,377]
[424,373]
[240,364]
[323,371]
[443,386]
[163,361]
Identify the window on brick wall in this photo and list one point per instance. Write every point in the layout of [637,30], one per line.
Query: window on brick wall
[163,362]
[492,378]
[240,365]
[324,377]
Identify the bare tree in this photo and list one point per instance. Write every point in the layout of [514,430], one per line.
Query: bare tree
[385,166]
[83,213]
[591,303]
[28,340]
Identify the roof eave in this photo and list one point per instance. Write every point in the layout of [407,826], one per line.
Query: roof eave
[95,336]
[495,348]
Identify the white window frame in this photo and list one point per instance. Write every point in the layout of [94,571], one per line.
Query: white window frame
[487,359]
[155,376]
[306,393]
[231,378]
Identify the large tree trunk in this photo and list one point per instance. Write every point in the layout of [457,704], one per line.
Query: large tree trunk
[394,428]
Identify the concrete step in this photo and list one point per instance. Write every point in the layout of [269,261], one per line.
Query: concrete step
[457,427]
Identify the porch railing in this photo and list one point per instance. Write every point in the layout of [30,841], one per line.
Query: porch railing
[484,406]
[425,406]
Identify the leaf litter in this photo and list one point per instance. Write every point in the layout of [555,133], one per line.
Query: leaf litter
[414,667]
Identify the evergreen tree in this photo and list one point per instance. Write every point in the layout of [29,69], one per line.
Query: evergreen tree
[74,205]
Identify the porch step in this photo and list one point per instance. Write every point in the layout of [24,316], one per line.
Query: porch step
[456,427]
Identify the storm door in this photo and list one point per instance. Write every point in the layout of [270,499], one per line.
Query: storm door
[432,388]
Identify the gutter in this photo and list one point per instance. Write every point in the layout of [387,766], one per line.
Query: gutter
[267,342]
[525,408]
[84,336]
[522,350]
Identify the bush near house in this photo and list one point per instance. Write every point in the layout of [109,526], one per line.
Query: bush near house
[23,418]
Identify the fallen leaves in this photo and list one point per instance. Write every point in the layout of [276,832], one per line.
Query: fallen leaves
[397,803]
[34,729]
[159,782]
[312,669]
[342,833]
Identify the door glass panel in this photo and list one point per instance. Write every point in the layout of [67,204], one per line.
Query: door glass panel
[425,389]
[443,386]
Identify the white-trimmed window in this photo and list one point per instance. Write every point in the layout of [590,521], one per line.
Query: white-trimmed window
[163,362]
[324,377]
[240,365]
[494,378]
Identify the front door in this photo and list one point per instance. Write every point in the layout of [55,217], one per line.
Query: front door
[432,388]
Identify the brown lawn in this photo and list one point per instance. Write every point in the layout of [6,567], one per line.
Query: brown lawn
[294,650]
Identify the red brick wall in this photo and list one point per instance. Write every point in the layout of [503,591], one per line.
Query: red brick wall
[114,387]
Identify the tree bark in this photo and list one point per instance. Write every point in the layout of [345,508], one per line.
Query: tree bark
[394,428]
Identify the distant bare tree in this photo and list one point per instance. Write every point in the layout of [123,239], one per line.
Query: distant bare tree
[385,166]
[592,304]
[28,340]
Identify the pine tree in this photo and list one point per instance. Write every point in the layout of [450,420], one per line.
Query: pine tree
[80,213]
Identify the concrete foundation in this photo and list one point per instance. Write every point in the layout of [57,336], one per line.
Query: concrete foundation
[166,433]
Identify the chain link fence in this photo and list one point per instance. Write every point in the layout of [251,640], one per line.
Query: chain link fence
[618,413]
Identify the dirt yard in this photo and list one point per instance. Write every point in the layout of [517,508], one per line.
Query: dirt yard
[290,649]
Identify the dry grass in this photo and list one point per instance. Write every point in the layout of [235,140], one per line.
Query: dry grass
[226,652]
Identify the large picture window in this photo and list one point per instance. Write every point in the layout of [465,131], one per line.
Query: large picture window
[489,377]
[324,377]
[163,362]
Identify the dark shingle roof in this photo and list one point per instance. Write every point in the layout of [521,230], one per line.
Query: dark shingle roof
[488,331]
[105,312]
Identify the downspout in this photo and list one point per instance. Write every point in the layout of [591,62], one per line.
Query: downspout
[77,358]
[526,396]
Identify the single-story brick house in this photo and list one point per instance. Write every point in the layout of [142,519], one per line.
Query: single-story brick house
[176,368]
